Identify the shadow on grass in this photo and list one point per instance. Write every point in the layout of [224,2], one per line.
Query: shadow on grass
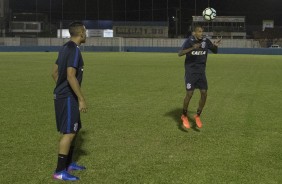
[175,114]
[80,139]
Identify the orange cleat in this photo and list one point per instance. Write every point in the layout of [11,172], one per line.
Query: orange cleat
[185,121]
[198,121]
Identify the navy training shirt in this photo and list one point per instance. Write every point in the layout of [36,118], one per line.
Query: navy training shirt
[69,56]
[195,61]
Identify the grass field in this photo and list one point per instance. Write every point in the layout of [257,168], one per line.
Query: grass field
[132,132]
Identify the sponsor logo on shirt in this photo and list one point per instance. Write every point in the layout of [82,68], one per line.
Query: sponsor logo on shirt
[198,53]
[203,45]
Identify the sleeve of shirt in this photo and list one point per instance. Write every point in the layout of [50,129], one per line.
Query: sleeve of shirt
[212,47]
[187,44]
[73,57]
[57,60]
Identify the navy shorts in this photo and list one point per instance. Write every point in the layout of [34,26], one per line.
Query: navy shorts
[67,115]
[196,81]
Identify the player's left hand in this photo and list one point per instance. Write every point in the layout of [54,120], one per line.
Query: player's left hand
[218,41]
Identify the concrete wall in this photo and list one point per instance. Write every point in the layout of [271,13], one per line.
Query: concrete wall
[117,44]
[123,42]
[262,51]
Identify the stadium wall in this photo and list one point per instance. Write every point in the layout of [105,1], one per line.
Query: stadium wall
[122,42]
[258,51]
[117,44]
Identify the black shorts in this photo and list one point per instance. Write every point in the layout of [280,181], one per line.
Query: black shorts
[67,115]
[196,81]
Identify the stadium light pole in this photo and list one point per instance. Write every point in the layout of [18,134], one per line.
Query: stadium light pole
[112,3]
[195,7]
[139,12]
[180,17]
[36,10]
[50,14]
[98,11]
[176,22]
[175,19]
[61,23]
[167,11]
[125,10]
[62,10]
[85,9]
[36,18]
[152,10]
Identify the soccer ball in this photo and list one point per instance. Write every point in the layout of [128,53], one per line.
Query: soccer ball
[209,14]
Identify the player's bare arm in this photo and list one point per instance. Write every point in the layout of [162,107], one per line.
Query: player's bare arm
[185,51]
[71,77]
[55,73]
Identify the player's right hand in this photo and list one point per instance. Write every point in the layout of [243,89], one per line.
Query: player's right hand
[196,45]
[82,106]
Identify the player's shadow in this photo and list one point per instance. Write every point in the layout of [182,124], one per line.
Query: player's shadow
[80,140]
[175,114]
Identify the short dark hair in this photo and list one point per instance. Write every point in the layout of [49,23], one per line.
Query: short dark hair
[197,26]
[75,28]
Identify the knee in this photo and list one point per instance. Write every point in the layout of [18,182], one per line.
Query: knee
[68,137]
[204,93]
[189,94]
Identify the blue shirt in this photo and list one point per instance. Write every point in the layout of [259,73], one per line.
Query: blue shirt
[195,61]
[69,56]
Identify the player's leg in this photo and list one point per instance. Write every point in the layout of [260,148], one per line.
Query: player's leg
[189,93]
[64,147]
[75,127]
[71,150]
[202,101]
[71,164]
[70,153]
[67,125]
[203,86]
[186,101]
[184,116]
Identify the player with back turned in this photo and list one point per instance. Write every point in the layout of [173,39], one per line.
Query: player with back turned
[69,100]
[196,50]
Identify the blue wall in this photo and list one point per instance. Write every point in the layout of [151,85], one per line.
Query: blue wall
[262,51]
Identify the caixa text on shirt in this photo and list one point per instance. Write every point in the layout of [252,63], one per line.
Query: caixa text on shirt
[198,53]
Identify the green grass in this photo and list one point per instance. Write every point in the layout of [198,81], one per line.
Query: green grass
[131,133]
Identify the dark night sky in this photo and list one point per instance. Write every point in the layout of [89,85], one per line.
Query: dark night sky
[254,10]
